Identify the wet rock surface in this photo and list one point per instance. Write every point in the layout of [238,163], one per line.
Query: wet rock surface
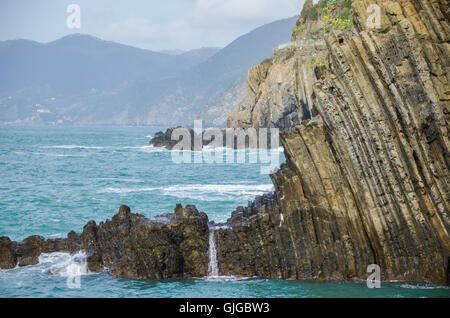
[367,179]
[130,245]
[212,138]
[8,255]
[164,140]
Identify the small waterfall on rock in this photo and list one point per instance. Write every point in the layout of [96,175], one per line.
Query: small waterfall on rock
[213,268]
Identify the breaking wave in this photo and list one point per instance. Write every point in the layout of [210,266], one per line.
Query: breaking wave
[413,286]
[202,192]
[63,264]
[72,147]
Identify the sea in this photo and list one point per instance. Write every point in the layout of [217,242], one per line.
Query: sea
[56,179]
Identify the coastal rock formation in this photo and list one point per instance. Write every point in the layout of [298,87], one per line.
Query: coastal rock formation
[164,140]
[211,138]
[367,179]
[130,245]
[276,95]
[8,256]
[215,113]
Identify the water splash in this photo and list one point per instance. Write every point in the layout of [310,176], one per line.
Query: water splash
[213,268]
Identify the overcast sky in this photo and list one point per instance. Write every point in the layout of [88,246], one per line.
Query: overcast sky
[150,24]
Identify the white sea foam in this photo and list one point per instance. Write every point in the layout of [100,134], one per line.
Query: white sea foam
[148,148]
[229,279]
[221,227]
[411,286]
[120,179]
[72,147]
[138,147]
[126,190]
[202,192]
[50,154]
[63,264]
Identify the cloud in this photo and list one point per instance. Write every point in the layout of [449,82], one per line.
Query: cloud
[202,23]
[220,11]
[150,24]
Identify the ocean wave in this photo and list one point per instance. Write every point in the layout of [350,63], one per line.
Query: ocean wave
[146,148]
[58,264]
[413,286]
[126,190]
[57,154]
[119,179]
[230,279]
[72,147]
[202,192]
[137,147]
[63,264]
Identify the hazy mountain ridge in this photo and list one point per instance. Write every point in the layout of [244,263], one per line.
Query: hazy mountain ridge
[80,79]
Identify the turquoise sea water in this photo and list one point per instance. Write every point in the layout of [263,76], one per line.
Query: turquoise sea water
[55,179]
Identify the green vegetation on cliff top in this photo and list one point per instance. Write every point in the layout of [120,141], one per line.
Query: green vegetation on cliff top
[328,14]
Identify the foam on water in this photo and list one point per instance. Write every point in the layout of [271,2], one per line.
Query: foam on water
[64,264]
[72,147]
[231,279]
[202,192]
[421,286]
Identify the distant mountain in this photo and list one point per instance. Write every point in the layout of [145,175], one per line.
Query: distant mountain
[216,112]
[172,52]
[77,63]
[199,55]
[203,53]
[81,79]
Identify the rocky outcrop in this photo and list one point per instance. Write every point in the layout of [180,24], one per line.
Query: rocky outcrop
[211,138]
[164,140]
[8,256]
[130,245]
[367,180]
[275,95]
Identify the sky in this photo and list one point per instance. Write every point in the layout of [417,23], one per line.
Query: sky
[149,24]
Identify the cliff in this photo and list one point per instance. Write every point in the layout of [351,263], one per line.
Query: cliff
[367,180]
[215,113]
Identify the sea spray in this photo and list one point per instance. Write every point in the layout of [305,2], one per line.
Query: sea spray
[213,268]
[72,267]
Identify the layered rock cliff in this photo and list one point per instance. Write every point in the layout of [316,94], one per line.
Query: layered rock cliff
[367,180]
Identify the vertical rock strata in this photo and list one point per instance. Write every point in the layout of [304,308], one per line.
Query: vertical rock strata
[367,180]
